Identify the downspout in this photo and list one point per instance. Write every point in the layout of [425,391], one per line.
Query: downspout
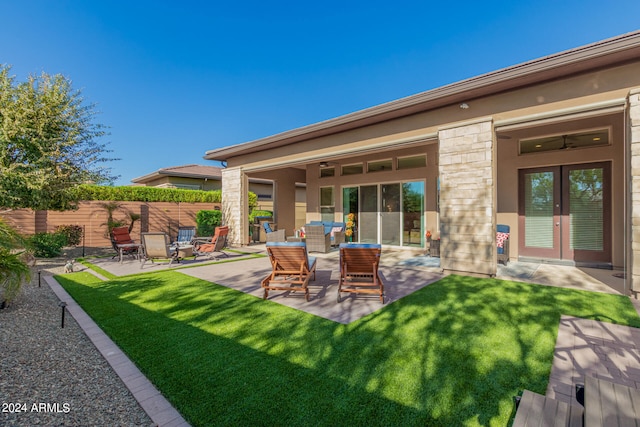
[626,270]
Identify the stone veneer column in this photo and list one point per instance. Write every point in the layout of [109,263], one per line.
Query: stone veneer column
[633,269]
[467,199]
[235,205]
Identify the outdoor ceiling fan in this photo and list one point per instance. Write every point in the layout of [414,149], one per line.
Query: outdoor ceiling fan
[567,143]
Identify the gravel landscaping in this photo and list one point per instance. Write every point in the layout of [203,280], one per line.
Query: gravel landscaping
[50,375]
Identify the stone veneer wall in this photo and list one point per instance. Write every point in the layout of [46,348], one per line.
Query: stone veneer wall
[634,124]
[467,199]
[235,205]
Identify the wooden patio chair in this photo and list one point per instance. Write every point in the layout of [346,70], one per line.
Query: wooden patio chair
[157,246]
[359,269]
[291,267]
[209,246]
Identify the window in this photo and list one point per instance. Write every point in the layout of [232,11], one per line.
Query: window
[380,165]
[412,162]
[327,172]
[187,186]
[327,207]
[352,169]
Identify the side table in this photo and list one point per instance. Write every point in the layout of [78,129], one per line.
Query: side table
[185,251]
[434,248]
[124,246]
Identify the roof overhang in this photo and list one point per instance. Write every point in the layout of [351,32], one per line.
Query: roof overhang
[605,53]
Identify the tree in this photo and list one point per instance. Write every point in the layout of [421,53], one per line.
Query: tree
[48,143]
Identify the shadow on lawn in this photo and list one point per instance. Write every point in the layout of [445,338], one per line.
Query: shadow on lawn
[452,353]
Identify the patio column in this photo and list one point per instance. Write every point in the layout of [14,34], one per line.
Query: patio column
[235,205]
[634,124]
[285,197]
[468,199]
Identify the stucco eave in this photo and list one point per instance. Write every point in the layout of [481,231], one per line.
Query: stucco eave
[591,57]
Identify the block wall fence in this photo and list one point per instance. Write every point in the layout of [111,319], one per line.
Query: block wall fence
[92,216]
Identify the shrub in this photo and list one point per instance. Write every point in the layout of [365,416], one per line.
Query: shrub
[207,221]
[47,245]
[73,233]
[14,270]
[256,213]
[253,201]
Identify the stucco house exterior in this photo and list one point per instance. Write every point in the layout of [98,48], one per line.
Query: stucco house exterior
[209,178]
[198,177]
[550,147]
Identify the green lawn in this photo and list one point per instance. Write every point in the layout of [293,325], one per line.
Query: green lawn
[453,353]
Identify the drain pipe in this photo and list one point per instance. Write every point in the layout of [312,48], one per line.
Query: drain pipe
[628,191]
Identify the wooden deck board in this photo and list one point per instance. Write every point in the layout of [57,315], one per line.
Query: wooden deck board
[610,404]
[536,410]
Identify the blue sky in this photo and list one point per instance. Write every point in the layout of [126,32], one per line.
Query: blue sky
[174,79]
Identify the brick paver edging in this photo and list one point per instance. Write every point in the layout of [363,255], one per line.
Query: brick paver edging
[161,412]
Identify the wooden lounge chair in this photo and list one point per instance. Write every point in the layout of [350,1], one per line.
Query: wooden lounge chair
[216,244]
[157,246]
[291,267]
[359,269]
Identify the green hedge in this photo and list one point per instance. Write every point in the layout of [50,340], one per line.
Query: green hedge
[145,194]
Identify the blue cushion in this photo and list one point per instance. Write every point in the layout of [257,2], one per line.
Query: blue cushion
[267,227]
[310,259]
[501,228]
[287,244]
[361,245]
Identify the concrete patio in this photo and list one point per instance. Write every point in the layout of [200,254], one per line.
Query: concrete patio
[404,272]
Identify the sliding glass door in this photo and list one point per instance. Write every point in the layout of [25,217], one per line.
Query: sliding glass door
[390,214]
[413,213]
[368,218]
